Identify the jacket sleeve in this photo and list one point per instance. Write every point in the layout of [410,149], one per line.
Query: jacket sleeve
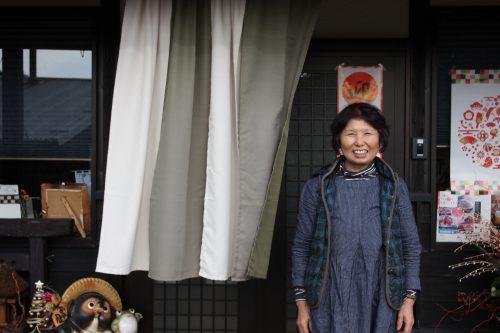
[304,233]
[409,235]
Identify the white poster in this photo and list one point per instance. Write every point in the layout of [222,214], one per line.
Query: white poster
[475,123]
[359,84]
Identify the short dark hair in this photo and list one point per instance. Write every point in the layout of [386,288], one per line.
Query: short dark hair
[363,111]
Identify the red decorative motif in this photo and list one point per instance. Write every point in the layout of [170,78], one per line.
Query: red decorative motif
[478,132]
[468,115]
[483,136]
[476,105]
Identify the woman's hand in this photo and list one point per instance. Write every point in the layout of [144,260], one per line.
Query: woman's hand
[304,322]
[405,316]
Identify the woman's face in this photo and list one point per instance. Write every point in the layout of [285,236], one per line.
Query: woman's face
[360,143]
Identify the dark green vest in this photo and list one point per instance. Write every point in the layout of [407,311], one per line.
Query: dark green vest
[317,271]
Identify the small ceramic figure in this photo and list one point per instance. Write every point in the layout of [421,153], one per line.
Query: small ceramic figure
[126,321]
[90,312]
[89,304]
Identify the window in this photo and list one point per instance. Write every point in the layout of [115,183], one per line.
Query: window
[47,95]
[46,103]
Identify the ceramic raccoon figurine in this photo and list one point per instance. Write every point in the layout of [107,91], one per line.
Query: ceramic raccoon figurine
[90,312]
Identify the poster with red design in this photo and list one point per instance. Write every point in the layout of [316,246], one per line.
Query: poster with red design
[475,125]
[359,84]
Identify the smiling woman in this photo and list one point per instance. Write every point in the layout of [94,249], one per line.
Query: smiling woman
[348,211]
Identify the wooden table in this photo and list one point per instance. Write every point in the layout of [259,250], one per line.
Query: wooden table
[37,231]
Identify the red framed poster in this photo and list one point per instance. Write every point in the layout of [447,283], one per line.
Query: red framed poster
[359,84]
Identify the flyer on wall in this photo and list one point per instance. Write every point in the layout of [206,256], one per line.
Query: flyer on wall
[461,217]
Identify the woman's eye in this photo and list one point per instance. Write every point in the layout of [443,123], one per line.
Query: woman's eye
[91,305]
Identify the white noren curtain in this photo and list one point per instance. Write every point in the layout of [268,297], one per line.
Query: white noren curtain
[202,95]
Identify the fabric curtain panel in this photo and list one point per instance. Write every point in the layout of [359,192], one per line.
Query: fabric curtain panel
[221,195]
[200,115]
[275,39]
[175,225]
[137,111]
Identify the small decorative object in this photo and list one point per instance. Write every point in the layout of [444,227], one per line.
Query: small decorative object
[126,321]
[12,287]
[89,304]
[39,315]
[83,177]
[10,202]
[31,206]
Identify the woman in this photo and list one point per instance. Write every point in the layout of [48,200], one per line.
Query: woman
[356,252]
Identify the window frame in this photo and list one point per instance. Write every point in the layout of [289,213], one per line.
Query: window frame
[64,28]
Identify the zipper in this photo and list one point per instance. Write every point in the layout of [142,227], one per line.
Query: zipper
[329,230]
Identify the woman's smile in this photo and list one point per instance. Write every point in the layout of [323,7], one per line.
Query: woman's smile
[360,152]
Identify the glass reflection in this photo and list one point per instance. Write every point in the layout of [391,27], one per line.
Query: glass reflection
[67,64]
[49,114]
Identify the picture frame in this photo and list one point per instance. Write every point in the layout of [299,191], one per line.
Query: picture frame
[63,200]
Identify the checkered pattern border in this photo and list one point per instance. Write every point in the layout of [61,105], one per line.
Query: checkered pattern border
[9,199]
[462,186]
[478,187]
[472,76]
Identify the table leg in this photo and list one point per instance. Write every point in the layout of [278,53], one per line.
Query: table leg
[38,250]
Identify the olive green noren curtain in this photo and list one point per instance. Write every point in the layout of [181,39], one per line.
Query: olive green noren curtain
[179,178]
[199,127]
[271,66]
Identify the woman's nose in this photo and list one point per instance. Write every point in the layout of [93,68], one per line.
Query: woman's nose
[359,141]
